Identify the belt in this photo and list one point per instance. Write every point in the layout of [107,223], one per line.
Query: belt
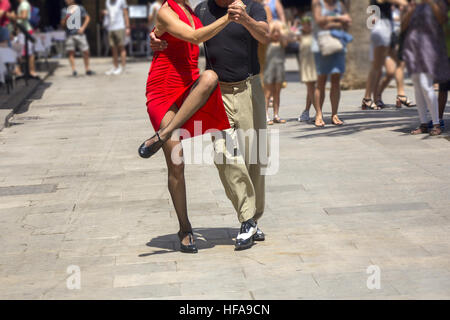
[238,84]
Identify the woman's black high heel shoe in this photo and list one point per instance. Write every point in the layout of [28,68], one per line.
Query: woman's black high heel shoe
[148,151]
[191,247]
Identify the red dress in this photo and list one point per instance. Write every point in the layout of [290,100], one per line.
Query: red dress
[172,74]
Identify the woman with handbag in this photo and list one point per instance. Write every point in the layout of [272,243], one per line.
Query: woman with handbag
[329,53]
[380,41]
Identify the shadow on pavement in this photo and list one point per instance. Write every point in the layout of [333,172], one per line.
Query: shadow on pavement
[205,238]
[401,120]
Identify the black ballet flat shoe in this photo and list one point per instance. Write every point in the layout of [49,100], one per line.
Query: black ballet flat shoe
[148,151]
[191,247]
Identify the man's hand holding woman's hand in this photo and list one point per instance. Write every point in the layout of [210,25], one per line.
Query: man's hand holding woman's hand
[237,12]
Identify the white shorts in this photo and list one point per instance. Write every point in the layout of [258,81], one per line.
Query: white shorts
[381,35]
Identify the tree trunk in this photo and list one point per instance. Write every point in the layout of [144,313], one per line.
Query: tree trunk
[358,64]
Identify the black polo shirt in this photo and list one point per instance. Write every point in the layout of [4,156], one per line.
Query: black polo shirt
[233,52]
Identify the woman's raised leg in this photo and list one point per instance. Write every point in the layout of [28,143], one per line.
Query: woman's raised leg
[197,98]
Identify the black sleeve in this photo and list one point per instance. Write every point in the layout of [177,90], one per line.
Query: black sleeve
[258,12]
[197,9]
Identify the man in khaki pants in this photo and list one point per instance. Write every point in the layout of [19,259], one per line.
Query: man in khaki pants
[233,55]
[238,163]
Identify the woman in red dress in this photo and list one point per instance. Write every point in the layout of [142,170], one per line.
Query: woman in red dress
[178,96]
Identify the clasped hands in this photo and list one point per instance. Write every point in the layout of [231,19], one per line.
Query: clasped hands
[237,12]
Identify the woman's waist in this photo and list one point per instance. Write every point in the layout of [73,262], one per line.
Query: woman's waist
[168,59]
[171,76]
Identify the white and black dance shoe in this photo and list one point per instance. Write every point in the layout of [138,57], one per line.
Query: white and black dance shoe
[244,240]
[259,235]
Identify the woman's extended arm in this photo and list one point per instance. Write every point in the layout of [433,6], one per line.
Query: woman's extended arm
[168,21]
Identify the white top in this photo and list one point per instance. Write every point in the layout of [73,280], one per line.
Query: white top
[116,16]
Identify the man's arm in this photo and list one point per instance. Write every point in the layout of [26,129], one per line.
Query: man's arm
[258,29]
[65,14]
[127,20]
[280,10]
[83,28]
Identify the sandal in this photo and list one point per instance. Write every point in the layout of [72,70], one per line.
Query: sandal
[337,122]
[403,100]
[279,120]
[148,151]
[269,122]
[319,124]
[436,131]
[191,247]
[380,104]
[368,104]
[420,130]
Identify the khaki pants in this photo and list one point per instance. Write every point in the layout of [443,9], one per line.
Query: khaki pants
[241,172]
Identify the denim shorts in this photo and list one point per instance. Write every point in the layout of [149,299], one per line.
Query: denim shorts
[4,34]
[331,64]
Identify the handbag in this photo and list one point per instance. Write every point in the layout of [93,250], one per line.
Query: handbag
[328,44]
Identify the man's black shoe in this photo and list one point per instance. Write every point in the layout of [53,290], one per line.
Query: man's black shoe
[259,235]
[244,240]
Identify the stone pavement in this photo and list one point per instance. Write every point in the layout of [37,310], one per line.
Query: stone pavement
[73,192]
